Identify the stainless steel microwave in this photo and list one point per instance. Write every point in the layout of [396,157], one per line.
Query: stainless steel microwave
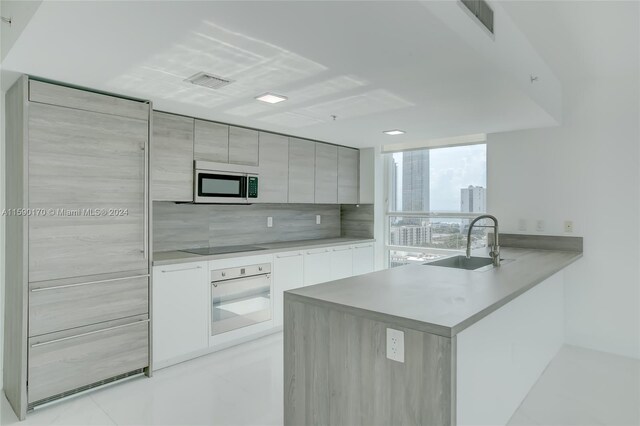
[224,187]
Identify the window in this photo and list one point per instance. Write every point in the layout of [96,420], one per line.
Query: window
[432,196]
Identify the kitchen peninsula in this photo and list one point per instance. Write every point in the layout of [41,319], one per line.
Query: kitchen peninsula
[424,344]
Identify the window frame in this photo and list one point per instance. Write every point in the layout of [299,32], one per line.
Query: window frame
[387,161]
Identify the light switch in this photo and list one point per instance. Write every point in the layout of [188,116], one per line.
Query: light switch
[269,222]
[318,220]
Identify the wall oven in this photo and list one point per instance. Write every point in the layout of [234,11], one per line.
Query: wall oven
[240,297]
[225,187]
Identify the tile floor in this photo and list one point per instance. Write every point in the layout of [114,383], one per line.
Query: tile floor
[243,386]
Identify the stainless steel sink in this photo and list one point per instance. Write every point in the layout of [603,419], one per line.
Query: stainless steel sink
[461,262]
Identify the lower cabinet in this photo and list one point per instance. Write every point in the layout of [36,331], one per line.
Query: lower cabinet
[341,262]
[317,266]
[65,361]
[363,259]
[288,273]
[182,296]
[180,310]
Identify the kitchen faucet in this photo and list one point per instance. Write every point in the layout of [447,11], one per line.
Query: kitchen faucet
[495,250]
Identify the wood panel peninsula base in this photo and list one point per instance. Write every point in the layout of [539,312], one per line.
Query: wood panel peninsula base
[474,342]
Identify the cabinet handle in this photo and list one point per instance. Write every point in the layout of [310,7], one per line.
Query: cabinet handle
[280,256]
[178,270]
[318,252]
[341,248]
[361,247]
[89,333]
[145,194]
[34,290]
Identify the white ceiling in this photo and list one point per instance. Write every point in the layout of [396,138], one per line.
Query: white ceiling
[424,67]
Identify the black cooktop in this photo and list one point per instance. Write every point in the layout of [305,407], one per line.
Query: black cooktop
[207,251]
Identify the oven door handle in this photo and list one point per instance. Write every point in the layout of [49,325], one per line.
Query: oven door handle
[215,283]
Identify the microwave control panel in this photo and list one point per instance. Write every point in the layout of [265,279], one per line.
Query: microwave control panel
[253,187]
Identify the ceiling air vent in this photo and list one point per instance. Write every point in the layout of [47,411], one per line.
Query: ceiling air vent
[482,11]
[209,80]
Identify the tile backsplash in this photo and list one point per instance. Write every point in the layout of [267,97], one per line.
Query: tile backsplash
[183,226]
[356,220]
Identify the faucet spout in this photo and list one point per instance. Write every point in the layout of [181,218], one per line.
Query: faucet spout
[495,249]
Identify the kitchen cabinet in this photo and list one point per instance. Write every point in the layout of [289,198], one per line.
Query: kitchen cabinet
[211,141]
[301,171]
[69,361]
[317,266]
[363,258]
[341,262]
[243,146]
[348,165]
[288,273]
[77,290]
[172,157]
[367,176]
[81,160]
[274,168]
[180,311]
[326,181]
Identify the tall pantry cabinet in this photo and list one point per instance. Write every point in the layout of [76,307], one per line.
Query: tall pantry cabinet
[77,241]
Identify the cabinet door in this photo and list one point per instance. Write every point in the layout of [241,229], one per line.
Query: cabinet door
[348,164]
[317,266]
[301,170]
[288,273]
[211,141]
[180,310]
[363,259]
[243,146]
[87,170]
[273,184]
[326,183]
[172,157]
[341,262]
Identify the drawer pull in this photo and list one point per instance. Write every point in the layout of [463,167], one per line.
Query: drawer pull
[361,247]
[183,269]
[342,248]
[88,283]
[62,339]
[281,256]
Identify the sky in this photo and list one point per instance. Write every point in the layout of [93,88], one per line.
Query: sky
[452,169]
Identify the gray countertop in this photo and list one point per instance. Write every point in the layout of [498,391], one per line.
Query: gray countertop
[434,299]
[175,257]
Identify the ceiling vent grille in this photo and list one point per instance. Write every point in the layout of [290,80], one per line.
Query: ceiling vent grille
[482,11]
[209,80]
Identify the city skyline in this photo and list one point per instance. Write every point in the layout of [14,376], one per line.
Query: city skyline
[449,170]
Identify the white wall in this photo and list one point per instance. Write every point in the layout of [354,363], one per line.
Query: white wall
[586,171]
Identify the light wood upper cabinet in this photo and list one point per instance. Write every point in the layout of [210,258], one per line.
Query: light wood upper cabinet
[348,164]
[172,157]
[273,183]
[243,146]
[211,141]
[301,170]
[326,182]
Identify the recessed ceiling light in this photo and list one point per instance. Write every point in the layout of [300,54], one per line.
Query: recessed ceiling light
[394,132]
[271,98]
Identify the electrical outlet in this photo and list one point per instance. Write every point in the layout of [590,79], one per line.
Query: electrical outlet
[540,225]
[395,345]
[522,224]
[568,226]
[269,222]
[318,219]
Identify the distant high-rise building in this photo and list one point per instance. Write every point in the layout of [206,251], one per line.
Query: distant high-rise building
[473,199]
[415,181]
[411,235]
[394,186]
